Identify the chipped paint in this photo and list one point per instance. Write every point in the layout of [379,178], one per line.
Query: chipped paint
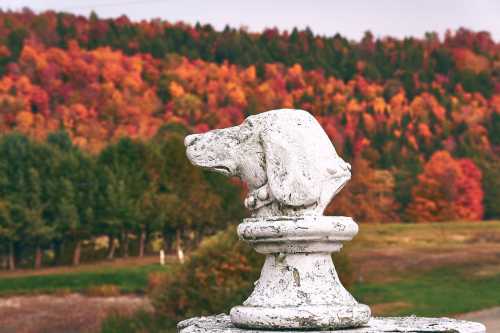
[284,156]
[222,324]
[299,286]
[293,171]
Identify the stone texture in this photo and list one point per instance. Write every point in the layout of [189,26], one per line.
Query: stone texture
[298,286]
[292,171]
[304,234]
[222,324]
[284,156]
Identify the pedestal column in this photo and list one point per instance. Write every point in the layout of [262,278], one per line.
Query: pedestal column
[299,286]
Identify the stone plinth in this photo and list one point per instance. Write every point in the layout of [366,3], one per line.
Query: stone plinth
[222,324]
[292,172]
[299,287]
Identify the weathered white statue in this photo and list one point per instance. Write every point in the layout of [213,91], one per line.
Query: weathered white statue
[292,171]
[285,157]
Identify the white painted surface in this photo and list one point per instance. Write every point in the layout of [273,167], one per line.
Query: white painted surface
[299,286]
[305,234]
[222,324]
[293,171]
[284,156]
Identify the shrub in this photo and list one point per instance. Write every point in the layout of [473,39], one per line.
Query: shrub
[219,274]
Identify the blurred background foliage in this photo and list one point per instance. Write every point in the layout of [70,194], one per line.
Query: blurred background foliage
[93,113]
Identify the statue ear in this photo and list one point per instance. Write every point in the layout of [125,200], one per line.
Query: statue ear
[291,173]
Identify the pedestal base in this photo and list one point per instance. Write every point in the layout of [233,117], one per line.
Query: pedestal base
[222,324]
[298,287]
[301,317]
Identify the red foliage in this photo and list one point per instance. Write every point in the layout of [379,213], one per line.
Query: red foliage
[448,189]
[469,202]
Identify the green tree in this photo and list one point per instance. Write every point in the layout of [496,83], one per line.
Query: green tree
[123,181]
[22,165]
[73,192]
[190,207]
[8,232]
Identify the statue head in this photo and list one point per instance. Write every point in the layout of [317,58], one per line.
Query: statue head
[284,156]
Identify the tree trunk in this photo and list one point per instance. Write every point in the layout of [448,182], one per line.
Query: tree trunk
[77,253]
[199,237]
[59,251]
[111,246]
[167,242]
[38,257]
[12,257]
[125,244]
[178,245]
[142,243]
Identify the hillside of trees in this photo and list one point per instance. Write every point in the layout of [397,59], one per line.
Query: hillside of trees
[93,111]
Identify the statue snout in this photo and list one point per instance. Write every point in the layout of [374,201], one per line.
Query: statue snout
[191,139]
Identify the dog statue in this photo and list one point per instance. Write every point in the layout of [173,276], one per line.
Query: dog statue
[285,157]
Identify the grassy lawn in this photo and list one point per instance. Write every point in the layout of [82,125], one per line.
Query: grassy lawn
[132,279]
[424,235]
[427,269]
[423,269]
[437,269]
[439,292]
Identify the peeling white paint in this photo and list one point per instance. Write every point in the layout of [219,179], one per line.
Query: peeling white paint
[284,156]
[293,171]
[222,324]
[298,286]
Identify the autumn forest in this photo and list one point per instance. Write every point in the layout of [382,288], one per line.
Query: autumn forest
[93,113]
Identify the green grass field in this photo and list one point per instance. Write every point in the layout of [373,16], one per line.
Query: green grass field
[403,269]
[427,269]
[439,292]
[127,279]
[444,291]
[424,269]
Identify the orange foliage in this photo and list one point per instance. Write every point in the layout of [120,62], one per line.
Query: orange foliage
[448,189]
[103,94]
[467,59]
[368,197]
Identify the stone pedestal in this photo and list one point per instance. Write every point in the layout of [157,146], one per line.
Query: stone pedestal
[299,287]
[292,172]
[222,324]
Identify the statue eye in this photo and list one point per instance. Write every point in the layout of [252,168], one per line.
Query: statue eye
[243,134]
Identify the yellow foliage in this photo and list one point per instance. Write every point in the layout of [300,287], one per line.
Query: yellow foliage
[24,119]
[176,90]
[379,105]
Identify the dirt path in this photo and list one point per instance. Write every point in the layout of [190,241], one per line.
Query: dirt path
[490,318]
[377,252]
[373,264]
[58,314]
